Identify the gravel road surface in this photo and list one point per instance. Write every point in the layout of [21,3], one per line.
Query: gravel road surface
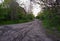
[31,31]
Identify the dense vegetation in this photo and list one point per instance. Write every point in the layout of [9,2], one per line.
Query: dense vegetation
[13,14]
[51,19]
[51,16]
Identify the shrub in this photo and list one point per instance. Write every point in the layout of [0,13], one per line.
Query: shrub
[5,17]
[51,18]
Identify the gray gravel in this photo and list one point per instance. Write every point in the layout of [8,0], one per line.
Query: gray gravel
[31,31]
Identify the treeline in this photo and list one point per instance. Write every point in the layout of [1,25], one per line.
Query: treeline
[50,17]
[11,13]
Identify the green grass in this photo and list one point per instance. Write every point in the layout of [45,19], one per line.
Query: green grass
[10,16]
[13,22]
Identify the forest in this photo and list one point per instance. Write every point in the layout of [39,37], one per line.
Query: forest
[12,13]
[50,17]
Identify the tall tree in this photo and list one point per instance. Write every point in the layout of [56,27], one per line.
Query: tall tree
[13,5]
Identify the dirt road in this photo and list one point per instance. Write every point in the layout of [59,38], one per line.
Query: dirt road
[31,31]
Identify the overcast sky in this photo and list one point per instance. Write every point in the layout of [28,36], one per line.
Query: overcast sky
[1,1]
[36,7]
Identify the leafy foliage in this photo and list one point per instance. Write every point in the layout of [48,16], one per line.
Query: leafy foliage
[19,13]
[51,18]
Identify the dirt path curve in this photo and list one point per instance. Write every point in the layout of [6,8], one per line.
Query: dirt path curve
[31,31]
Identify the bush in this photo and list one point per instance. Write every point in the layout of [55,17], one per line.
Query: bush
[51,18]
[5,17]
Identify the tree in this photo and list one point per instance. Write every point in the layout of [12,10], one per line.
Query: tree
[13,5]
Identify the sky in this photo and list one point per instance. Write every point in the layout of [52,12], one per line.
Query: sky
[26,5]
[36,9]
[1,1]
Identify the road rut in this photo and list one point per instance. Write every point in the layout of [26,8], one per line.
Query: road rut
[31,31]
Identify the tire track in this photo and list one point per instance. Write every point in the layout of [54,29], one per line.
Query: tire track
[32,31]
[22,31]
